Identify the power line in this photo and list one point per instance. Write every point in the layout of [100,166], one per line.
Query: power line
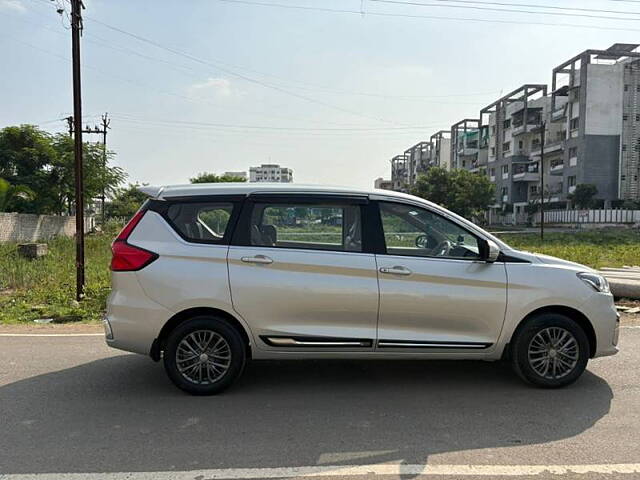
[526,5]
[427,17]
[492,9]
[236,74]
[291,83]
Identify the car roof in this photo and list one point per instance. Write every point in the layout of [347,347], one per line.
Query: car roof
[238,188]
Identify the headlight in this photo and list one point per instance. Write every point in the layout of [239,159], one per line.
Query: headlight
[598,282]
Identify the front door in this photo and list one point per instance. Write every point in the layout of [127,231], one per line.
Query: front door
[436,295]
[300,277]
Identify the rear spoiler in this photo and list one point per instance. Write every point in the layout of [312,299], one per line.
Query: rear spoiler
[152,191]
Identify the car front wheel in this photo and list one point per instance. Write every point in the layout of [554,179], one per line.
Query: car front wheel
[204,355]
[551,351]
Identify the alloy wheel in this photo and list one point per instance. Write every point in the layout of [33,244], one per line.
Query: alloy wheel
[203,357]
[553,353]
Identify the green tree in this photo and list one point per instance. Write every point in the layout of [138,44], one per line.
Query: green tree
[26,155]
[98,175]
[9,193]
[207,177]
[466,193]
[584,195]
[125,202]
[44,163]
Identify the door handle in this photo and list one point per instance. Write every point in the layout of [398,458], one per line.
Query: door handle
[260,259]
[397,270]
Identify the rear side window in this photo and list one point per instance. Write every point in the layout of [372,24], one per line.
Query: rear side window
[307,226]
[201,222]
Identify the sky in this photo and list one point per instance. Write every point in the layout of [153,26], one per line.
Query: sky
[330,88]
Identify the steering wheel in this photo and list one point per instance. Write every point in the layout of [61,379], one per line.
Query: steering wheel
[422,241]
[442,249]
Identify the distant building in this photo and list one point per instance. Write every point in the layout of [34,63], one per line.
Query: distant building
[236,174]
[383,184]
[270,173]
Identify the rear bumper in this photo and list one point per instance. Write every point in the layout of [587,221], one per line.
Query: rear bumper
[133,321]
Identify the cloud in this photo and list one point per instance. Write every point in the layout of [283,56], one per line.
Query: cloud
[219,86]
[15,5]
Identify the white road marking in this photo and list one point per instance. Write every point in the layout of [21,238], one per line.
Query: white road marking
[344,471]
[51,335]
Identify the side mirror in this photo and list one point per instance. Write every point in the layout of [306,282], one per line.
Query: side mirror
[489,251]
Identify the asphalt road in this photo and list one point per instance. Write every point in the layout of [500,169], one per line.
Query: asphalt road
[72,405]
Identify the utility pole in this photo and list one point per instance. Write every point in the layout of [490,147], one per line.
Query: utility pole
[70,125]
[105,127]
[541,168]
[76,28]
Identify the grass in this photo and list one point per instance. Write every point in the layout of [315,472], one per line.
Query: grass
[597,248]
[45,288]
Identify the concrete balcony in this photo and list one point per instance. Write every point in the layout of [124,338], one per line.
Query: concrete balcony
[524,128]
[467,151]
[572,189]
[549,147]
[505,176]
[556,169]
[573,161]
[492,178]
[559,113]
[526,177]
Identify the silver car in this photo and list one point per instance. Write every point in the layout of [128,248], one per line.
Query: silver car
[206,277]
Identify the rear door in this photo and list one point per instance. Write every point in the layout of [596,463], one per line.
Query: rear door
[436,294]
[300,273]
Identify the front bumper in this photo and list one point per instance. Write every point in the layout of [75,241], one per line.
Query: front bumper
[601,311]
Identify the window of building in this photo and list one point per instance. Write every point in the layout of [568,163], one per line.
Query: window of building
[637,88]
[492,172]
[573,152]
[505,191]
[637,117]
[520,144]
[574,123]
[493,151]
[307,226]
[505,169]
[626,88]
[571,181]
[506,146]
[624,147]
[625,117]
[507,123]
[414,231]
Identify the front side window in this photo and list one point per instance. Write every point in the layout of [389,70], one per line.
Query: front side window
[414,231]
[201,222]
[307,226]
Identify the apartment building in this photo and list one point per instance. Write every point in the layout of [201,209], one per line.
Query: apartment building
[400,174]
[512,127]
[440,150]
[589,123]
[383,184]
[465,142]
[270,173]
[596,98]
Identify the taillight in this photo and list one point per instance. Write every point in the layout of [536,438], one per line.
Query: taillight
[126,257]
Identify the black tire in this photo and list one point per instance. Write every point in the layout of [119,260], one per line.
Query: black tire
[528,365]
[217,328]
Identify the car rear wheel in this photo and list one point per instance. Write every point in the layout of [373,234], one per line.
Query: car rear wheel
[204,355]
[550,351]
